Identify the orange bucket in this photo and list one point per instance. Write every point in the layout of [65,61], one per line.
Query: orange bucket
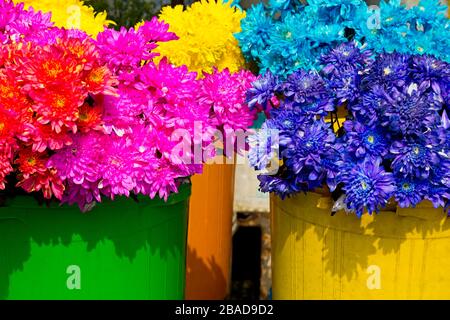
[210,231]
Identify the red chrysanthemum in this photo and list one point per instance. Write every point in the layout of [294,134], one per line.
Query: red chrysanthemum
[83,50]
[90,118]
[57,106]
[43,138]
[99,79]
[9,127]
[34,175]
[50,66]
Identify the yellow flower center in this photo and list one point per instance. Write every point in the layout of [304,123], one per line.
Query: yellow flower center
[387,71]
[364,185]
[371,139]
[96,76]
[416,150]
[52,69]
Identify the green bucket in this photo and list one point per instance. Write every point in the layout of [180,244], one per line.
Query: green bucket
[122,249]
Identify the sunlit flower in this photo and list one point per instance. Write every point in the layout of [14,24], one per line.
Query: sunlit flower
[205,30]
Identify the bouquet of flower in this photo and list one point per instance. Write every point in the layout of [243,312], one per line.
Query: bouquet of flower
[206,31]
[394,143]
[83,119]
[288,35]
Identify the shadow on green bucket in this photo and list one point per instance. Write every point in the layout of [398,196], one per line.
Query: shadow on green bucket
[122,249]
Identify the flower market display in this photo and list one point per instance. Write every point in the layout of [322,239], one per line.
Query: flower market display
[289,35]
[394,141]
[85,118]
[206,30]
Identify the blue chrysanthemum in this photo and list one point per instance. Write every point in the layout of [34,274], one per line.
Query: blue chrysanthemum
[389,69]
[363,141]
[414,158]
[427,71]
[409,192]
[367,185]
[409,111]
[262,91]
[306,146]
[307,91]
[255,30]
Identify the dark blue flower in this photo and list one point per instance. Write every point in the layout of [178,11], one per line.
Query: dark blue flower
[307,91]
[409,111]
[427,71]
[283,184]
[289,120]
[305,148]
[262,91]
[332,166]
[363,141]
[409,192]
[389,69]
[346,85]
[367,185]
[346,56]
[368,107]
[415,158]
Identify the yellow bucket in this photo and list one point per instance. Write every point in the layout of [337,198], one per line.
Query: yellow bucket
[399,254]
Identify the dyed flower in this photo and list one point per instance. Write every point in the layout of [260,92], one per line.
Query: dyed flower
[367,185]
[262,91]
[307,92]
[205,30]
[282,184]
[305,149]
[428,71]
[409,192]
[413,158]
[409,111]
[256,28]
[124,50]
[345,56]
[36,176]
[363,141]
[226,92]
[389,69]
[156,31]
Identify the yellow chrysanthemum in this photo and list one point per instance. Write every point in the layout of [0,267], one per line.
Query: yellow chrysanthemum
[71,14]
[206,36]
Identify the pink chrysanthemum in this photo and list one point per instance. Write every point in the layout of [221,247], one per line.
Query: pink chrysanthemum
[156,31]
[125,49]
[225,92]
